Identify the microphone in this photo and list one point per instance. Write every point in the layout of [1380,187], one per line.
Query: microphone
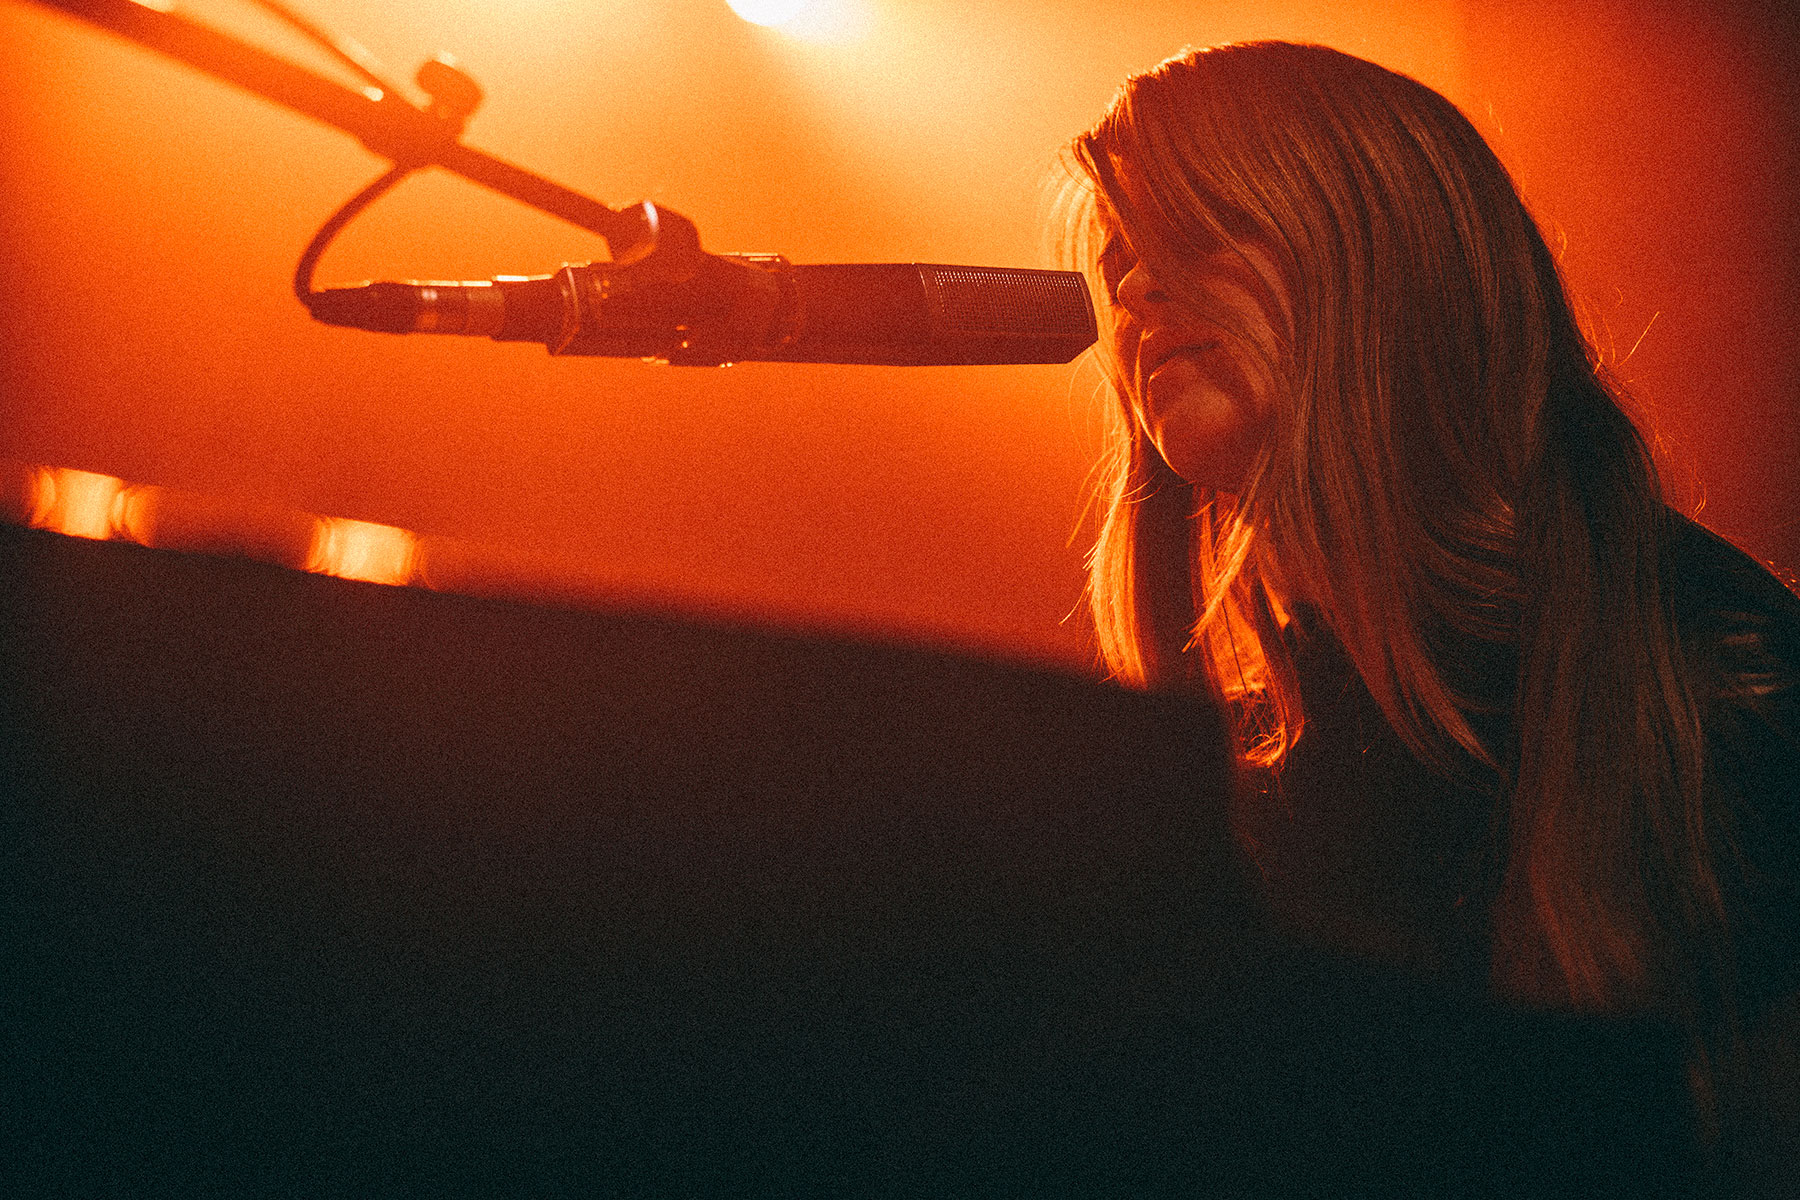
[691,308]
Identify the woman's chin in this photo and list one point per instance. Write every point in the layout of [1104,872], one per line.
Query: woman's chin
[1219,472]
[1207,441]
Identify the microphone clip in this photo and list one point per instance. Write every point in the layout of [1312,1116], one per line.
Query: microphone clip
[670,301]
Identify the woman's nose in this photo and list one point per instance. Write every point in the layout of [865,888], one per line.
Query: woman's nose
[1139,294]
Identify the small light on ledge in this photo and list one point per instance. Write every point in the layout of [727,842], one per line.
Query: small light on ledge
[77,503]
[362,550]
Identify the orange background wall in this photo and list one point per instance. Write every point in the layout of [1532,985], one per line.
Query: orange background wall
[1662,141]
[153,217]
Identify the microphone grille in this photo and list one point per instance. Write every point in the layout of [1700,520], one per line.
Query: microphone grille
[932,314]
[1008,300]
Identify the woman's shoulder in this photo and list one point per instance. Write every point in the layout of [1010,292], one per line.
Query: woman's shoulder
[1709,581]
[1739,626]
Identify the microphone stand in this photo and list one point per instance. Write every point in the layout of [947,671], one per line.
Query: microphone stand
[660,285]
[384,122]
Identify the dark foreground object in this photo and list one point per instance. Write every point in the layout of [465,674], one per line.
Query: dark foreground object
[314,888]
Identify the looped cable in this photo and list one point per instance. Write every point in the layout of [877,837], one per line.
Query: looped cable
[315,249]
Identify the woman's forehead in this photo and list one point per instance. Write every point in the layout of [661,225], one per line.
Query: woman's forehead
[1177,201]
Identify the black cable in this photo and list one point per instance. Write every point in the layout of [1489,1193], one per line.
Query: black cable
[315,249]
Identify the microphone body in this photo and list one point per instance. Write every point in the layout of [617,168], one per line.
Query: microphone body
[703,309]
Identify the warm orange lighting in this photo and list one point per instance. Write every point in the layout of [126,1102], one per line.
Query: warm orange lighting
[824,22]
[362,550]
[90,505]
[135,514]
[769,12]
[78,503]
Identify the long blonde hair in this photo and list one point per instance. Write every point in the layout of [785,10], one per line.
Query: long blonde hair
[1451,484]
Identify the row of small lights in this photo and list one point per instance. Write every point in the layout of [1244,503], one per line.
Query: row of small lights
[86,504]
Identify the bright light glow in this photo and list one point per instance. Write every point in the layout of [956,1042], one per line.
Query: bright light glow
[78,503]
[89,505]
[134,515]
[834,23]
[362,550]
[769,12]
[821,22]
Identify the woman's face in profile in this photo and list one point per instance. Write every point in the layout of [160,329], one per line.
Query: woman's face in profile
[1199,385]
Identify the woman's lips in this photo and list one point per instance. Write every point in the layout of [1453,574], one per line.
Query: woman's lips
[1154,356]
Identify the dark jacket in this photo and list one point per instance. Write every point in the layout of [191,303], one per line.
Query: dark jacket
[1359,848]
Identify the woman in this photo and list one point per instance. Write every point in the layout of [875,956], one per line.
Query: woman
[1504,717]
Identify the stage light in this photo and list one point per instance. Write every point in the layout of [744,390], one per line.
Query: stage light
[769,12]
[362,550]
[77,503]
[836,23]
